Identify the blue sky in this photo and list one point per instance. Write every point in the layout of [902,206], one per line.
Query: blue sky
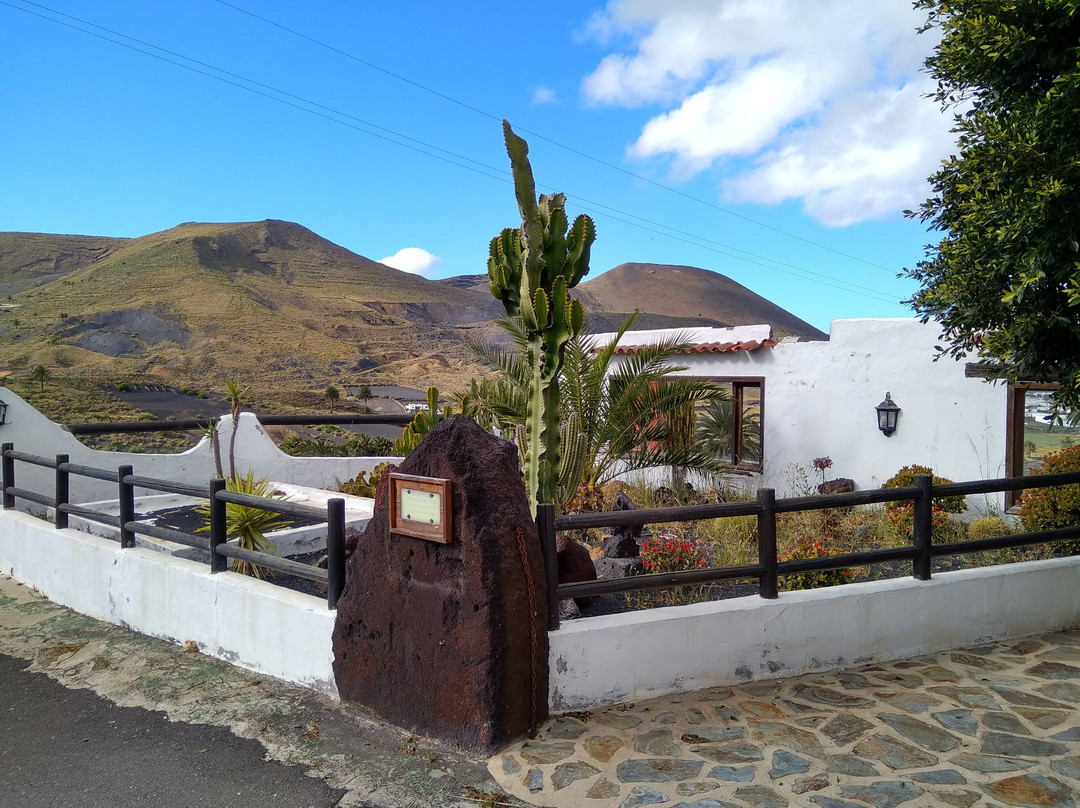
[777,142]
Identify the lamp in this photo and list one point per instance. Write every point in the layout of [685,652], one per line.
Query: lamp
[3,413]
[886,415]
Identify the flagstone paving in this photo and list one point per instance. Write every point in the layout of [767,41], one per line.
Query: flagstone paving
[986,727]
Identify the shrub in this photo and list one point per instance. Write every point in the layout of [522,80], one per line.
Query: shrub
[248,523]
[943,528]
[989,527]
[906,478]
[667,552]
[1057,506]
[809,548]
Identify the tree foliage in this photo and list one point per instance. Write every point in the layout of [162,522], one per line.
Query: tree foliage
[1005,279]
[615,415]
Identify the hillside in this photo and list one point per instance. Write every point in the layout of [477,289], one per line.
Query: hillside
[670,296]
[268,302]
[679,296]
[280,308]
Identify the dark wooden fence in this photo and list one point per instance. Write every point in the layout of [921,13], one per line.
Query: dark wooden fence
[768,569]
[215,544]
[369,419]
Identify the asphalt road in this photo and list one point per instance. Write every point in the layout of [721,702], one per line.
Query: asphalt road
[61,748]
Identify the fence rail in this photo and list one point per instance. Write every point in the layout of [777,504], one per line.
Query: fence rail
[214,492]
[769,568]
[180,425]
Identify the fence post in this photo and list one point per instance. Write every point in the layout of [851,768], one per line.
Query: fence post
[63,492]
[127,506]
[545,526]
[335,550]
[924,525]
[9,474]
[766,498]
[218,563]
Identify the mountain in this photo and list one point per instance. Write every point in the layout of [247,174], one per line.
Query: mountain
[671,296]
[278,307]
[679,296]
[268,302]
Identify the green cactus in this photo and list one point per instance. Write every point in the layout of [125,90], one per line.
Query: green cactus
[532,270]
[416,429]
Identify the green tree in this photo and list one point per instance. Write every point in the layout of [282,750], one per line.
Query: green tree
[332,396]
[40,374]
[363,392]
[532,269]
[238,397]
[1004,281]
[616,416]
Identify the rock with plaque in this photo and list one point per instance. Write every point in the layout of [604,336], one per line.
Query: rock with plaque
[442,627]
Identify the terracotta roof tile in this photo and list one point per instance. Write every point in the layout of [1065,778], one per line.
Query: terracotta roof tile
[706,347]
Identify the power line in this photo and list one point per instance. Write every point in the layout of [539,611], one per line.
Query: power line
[358,124]
[547,139]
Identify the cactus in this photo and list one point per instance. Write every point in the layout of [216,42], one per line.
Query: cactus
[532,270]
[416,429]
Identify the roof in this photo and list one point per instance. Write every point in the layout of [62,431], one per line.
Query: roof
[706,347]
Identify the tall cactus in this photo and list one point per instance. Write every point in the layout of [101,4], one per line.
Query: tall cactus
[532,268]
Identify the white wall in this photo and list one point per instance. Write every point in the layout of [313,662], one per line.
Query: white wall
[627,657]
[819,400]
[33,433]
[247,622]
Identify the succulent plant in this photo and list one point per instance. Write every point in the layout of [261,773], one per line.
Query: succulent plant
[532,270]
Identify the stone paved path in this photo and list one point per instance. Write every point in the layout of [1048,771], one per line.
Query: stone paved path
[992,726]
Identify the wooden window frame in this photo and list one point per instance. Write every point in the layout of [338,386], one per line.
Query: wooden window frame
[1014,433]
[738,383]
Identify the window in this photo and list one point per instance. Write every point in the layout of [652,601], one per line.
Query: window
[1034,430]
[733,428]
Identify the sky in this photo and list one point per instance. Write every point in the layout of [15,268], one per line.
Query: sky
[775,141]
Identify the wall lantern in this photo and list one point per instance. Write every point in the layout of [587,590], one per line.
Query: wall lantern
[3,413]
[886,415]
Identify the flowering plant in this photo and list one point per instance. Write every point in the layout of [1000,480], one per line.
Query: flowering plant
[669,553]
[822,464]
[811,548]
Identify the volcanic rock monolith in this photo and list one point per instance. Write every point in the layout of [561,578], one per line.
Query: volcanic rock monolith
[450,640]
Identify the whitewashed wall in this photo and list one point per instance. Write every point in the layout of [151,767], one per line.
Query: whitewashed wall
[33,433]
[637,655]
[820,398]
[251,623]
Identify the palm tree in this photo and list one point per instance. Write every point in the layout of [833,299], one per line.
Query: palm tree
[237,397]
[617,418]
[363,392]
[332,394]
[41,374]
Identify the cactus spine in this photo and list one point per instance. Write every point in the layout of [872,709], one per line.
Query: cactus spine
[532,269]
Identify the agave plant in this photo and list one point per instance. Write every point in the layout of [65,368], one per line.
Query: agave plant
[248,523]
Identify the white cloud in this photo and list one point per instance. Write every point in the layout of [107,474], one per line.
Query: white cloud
[544,95]
[817,101]
[416,260]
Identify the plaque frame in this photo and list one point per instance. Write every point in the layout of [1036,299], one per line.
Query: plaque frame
[401,525]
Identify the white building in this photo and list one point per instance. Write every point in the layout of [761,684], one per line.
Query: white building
[818,399]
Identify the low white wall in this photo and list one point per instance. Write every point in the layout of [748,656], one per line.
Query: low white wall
[637,655]
[33,433]
[247,622]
